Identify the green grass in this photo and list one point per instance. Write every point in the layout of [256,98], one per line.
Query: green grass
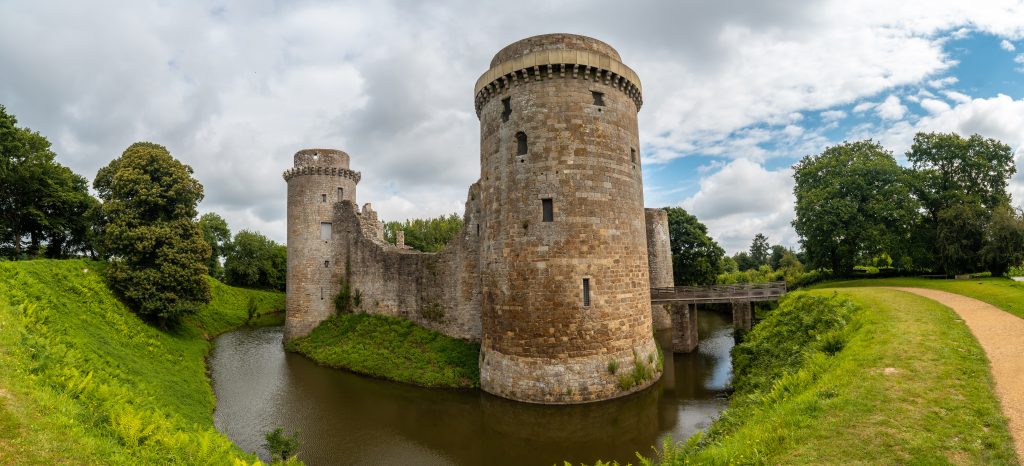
[393,349]
[84,381]
[885,377]
[1003,293]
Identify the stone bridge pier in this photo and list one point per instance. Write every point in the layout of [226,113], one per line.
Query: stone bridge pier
[684,327]
[742,315]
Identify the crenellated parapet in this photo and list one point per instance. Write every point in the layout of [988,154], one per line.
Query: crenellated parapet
[323,171]
[557,64]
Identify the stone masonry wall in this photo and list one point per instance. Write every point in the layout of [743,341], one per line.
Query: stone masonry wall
[659,260]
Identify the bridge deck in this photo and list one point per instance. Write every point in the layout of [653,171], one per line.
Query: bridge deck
[769,291]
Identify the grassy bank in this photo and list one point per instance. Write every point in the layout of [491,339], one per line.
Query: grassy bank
[870,376]
[84,381]
[392,348]
[1003,293]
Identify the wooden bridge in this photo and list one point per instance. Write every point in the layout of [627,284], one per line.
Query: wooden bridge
[770,291]
[681,304]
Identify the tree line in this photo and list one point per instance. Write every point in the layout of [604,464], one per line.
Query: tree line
[142,222]
[857,209]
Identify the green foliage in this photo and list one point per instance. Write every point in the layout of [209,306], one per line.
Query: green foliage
[149,205]
[1004,240]
[855,379]
[218,237]
[99,386]
[391,348]
[613,366]
[642,371]
[344,301]
[252,310]
[852,200]
[427,235]
[433,312]
[696,258]
[39,198]
[760,251]
[782,342]
[255,261]
[280,445]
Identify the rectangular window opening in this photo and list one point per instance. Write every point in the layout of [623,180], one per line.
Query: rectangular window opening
[325,231]
[586,292]
[549,209]
[478,229]
[321,293]
[327,263]
[323,198]
[632,155]
[506,111]
[341,194]
[598,98]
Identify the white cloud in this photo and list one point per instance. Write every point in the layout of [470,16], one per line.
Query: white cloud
[891,108]
[1019,58]
[833,115]
[1007,46]
[934,106]
[957,97]
[864,106]
[943,82]
[743,199]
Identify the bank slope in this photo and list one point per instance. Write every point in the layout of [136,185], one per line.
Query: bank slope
[86,382]
[1003,293]
[896,380]
[391,348]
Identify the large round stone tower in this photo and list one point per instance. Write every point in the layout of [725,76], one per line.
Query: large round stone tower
[319,179]
[566,312]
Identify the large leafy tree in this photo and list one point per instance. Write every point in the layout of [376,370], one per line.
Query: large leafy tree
[1004,240]
[39,198]
[852,200]
[149,209]
[960,182]
[218,237]
[428,235]
[255,261]
[696,258]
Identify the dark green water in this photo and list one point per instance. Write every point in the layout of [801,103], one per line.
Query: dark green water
[344,418]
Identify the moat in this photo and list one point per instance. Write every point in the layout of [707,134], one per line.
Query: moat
[344,418]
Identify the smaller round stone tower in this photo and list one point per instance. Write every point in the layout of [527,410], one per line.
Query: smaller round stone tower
[319,179]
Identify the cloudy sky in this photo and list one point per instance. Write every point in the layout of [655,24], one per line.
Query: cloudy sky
[735,91]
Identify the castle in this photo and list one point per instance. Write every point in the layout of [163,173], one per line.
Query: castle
[553,267]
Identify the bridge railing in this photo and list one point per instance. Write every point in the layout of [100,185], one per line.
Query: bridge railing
[720,293]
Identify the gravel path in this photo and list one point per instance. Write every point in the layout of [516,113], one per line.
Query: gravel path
[1001,335]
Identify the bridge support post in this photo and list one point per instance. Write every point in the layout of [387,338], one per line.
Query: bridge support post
[742,315]
[684,327]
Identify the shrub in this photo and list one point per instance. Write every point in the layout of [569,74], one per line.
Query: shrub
[281,446]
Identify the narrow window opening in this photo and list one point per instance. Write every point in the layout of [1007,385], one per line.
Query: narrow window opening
[327,263]
[341,194]
[632,155]
[521,143]
[321,293]
[323,198]
[478,229]
[325,231]
[506,111]
[598,98]
[586,292]
[549,210]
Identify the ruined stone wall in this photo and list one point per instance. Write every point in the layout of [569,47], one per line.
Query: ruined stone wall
[541,341]
[659,261]
[318,180]
[439,291]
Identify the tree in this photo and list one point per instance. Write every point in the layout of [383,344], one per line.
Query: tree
[280,445]
[778,251]
[427,235]
[852,200]
[1004,240]
[39,198]
[743,261]
[956,176]
[759,250]
[696,258]
[255,261]
[217,236]
[149,207]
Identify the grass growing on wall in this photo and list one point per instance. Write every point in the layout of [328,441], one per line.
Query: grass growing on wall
[1003,293]
[85,381]
[393,349]
[870,376]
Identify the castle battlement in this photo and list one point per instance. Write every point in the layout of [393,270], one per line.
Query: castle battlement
[551,64]
[325,171]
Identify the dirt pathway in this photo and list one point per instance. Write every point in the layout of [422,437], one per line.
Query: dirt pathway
[1001,335]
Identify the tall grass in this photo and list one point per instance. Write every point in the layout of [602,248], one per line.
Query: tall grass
[86,381]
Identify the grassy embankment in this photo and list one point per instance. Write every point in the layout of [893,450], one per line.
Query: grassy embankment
[1003,293]
[84,381]
[868,376]
[392,348]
